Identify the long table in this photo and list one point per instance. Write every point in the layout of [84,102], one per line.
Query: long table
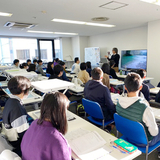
[78,122]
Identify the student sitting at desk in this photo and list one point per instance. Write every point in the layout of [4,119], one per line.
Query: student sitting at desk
[28,62]
[50,66]
[89,68]
[64,77]
[75,66]
[32,68]
[83,75]
[35,62]
[56,61]
[39,68]
[145,89]
[137,109]
[48,143]
[58,72]
[106,71]
[16,64]
[24,66]
[112,71]
[14,114]
[95,91]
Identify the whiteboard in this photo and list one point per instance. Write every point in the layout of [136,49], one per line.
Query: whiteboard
[92,55]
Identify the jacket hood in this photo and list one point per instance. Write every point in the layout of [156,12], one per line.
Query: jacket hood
[126,102]
[93,84]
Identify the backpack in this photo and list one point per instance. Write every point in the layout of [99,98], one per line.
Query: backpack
[80,110]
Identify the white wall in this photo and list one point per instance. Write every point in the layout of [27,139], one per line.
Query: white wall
[67,48]
[83,44]
[135,38]
[75,47]
[153,65]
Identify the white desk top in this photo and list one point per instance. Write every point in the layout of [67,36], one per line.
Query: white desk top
[5,67]
[155,90]
[51,85]
[156,112]
[81,123]
[21,72]
[116,82]
[69,69]
[124,76]
[32,97]
[77,89]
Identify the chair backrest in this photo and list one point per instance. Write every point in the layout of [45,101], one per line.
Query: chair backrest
[92,108]
[132,130]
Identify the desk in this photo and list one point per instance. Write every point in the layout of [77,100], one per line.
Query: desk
[156,112]
[154,90]
[77,90]
[32,97]
[51,85]
[3,84]
[69,70]
[116,82]
[124,76]
[21,72]
[81,123]
[70,75]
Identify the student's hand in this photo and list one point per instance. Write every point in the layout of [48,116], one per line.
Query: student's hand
[106,56]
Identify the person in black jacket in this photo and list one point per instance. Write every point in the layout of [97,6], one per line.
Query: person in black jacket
[145,89]
[114,57]
[112,71]
[14,114]
[50,66]
[95,91]
[58,72]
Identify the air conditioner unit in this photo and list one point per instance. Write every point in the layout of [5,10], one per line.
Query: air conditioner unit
[19,25]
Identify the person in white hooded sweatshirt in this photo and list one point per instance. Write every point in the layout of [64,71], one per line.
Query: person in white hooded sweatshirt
[137,108]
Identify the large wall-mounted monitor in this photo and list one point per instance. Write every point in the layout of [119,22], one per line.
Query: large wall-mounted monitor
[134,59]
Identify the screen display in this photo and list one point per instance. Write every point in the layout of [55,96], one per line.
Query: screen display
[134,59]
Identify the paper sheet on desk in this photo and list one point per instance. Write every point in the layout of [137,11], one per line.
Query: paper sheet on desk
[99,154]
[85,143]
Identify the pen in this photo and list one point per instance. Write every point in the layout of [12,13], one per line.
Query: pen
[72,119]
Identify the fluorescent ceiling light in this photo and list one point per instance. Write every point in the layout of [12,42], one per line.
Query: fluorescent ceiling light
[5,14]
[65,33]
[100,24]
[157,2]
[52,32]
[68,21]
[83,23]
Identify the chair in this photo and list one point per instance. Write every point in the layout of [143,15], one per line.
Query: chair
[134,132]
[95,111]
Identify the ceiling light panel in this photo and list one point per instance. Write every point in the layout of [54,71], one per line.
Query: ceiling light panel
[82,23]
[46,32]
[5,14]
[113,5]
[157,2]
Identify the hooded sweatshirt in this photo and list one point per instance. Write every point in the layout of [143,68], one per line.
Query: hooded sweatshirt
[97,92]
[138,109]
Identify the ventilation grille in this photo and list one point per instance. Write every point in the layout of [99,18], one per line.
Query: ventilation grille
[19,25]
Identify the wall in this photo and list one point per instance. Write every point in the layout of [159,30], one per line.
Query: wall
[154,51]
[83,44]
[76,46]
[66,44]
[135,38]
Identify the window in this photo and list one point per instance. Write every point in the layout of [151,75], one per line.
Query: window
[17,48]
[43,53]
[57,46]
[23,54]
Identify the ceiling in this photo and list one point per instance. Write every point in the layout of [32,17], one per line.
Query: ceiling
[136,14]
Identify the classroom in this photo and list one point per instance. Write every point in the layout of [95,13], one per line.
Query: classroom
[79,80]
